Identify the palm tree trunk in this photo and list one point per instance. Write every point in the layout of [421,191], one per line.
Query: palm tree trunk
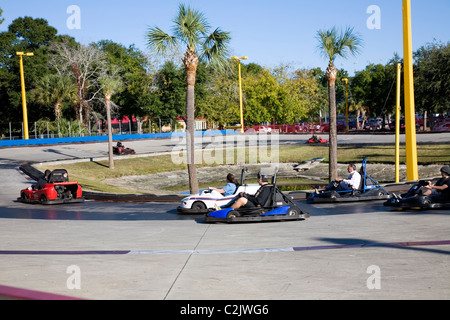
[110,142]
[331,75]
[191,63]
[58,110]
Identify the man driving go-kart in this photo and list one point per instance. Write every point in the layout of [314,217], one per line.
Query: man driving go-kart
[359,186]
[260,198]
[268,204]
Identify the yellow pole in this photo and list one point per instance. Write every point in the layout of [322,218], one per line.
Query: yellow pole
[410,120]
[241,104]
[24,98]
[397,125]
[346,104]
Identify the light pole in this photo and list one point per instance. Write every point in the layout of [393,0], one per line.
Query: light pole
[397,124]
[410,119]
[240,90]
[24,97]
[346,104]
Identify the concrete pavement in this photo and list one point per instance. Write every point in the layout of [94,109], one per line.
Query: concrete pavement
[101,250]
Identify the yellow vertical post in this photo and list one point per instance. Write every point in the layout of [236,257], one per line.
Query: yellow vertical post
[410,120]
[397,125]
[24,97]
[346,105]
[241,104]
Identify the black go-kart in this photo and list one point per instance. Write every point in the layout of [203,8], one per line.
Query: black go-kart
[277,207]
[368,190]
[414,199]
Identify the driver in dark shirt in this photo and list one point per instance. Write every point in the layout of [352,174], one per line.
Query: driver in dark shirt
[43,180]
[260,197]
[441,189]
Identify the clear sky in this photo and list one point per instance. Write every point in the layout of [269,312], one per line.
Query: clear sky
[269,32]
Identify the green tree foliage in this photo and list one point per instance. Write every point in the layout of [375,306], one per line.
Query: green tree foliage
[23,35]
[432,77]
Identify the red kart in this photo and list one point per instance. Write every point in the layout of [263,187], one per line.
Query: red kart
[57,190]
[120,150]
[315,139]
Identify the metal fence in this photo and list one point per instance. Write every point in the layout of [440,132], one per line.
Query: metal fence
[65,129]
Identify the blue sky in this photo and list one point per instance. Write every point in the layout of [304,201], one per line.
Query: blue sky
[268,32]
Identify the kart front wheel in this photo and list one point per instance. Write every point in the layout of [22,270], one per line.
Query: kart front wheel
[198,206]
[43,199]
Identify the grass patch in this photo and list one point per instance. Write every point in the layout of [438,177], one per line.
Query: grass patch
[91,174]
[426,154]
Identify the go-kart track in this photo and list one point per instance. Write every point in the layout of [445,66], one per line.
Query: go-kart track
[105,250]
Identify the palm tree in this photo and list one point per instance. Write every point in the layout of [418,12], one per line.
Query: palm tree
[333,43]
[111,85]
[55,89]
[191,29]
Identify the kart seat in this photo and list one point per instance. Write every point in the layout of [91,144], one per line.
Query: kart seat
[59,175]
[275,199]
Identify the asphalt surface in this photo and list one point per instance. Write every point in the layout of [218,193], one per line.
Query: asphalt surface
[148,251]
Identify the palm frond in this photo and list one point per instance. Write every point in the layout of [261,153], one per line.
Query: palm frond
[349,42]
[190,26]
[160,41]
[333,43]
[215,47]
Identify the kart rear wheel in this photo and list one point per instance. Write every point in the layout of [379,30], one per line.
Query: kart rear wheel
[232,215]
[293,212]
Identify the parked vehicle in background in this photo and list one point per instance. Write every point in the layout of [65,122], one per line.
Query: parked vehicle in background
[443,125]
[374,124]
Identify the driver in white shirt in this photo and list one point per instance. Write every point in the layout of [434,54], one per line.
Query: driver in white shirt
[352,182]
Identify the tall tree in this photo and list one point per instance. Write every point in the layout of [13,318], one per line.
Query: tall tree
[86,65]
[432,77]
[192,30]
[334,43]
[26,35]
[55,89]
[111,84]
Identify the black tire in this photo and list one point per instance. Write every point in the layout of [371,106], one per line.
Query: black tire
[334,195]
[293,212]
[43,199]
[23,196]
[232,215]
[427,201]
[198,206]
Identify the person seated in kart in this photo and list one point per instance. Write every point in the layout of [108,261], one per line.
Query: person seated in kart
[120,146]
[441,189]
[437,191]
[43,180]
[350,184]
[244,200]
[230,187]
